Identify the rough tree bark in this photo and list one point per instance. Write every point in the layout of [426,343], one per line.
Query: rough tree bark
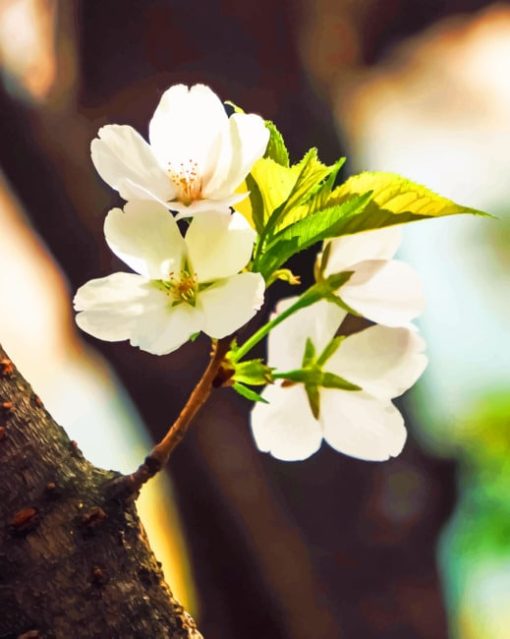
[74,559]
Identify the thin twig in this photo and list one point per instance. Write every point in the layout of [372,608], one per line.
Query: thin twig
[159,455]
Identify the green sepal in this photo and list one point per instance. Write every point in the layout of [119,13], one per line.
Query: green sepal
[276,149]
[314,376]
[330,350]
[333,282]
[322,290]
[253,372]
[309,354]
[237,109]
[248,393]
[338,301]
[298,375]
[330,380]
[313,394]
[285,275]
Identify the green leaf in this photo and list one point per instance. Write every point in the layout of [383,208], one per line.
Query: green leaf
[248,393]
[311,172]
[395,200]
[274,183]
[307,232]
[253,206]
[321,199]
[276,149]
[284,188]
[321,225]
[253,372]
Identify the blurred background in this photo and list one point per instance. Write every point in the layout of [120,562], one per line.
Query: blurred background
[328,548]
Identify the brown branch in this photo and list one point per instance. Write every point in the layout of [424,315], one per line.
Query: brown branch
[73,561]
[159,455]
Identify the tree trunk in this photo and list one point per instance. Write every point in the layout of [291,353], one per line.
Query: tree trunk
[74,559]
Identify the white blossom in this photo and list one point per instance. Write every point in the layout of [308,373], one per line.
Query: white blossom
[364,423]
[181,285]
[381,289]
[197,156]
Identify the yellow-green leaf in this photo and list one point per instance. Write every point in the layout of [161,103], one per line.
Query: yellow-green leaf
[395,200]
[275,183]
[276,149]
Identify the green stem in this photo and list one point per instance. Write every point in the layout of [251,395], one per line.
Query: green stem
[304,300]
[320,290]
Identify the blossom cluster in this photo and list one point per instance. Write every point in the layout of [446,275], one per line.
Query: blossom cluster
[183,283]
[383,360]
[213,211]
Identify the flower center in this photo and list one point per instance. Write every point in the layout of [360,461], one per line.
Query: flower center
[183,287]
[180,287]
[186,180]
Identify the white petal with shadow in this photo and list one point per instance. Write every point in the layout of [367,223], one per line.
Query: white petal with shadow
[231,303]
[219,245]
[125,161]
[163,328]
[384,361]
[108,306]
[248,138]
[361,426]
[285,427]
[386,292]
[286,342]
[187,128]
[146,237]
[379,244]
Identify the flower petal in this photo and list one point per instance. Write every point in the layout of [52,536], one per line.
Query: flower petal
[126,162]
[109,305]
[384,361]
[231,303]
[219,245]
[146,237]
[345,251]
[285,427]
[361,426]
[388,293]
[164,328]
[286,342]
[246,143]
[201,207]
[188,126]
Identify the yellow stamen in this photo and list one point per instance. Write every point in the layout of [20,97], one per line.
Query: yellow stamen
[186,180]
[182,288]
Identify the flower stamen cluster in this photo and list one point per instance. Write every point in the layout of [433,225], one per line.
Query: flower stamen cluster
[186,180]
[181,288]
